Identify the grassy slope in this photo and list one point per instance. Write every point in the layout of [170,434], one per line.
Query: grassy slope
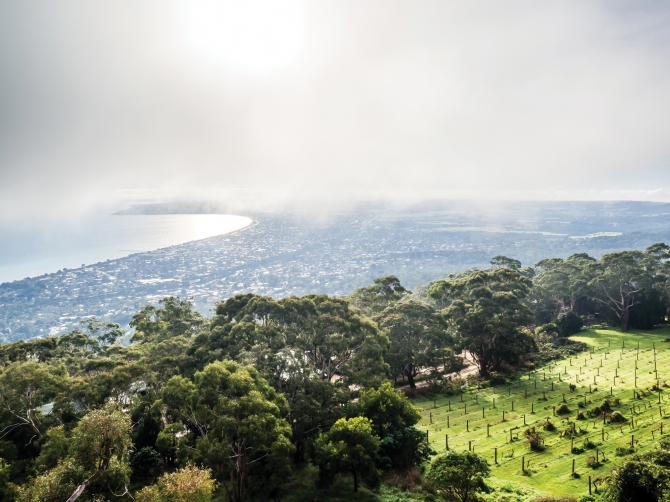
[549,472]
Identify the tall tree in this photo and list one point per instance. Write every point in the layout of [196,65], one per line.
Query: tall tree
[97,460]
[237,425]
[418,336]
[334,338]
[559,285]
[487,307]
[384,293]
[174,317]
[619,281]
[24,388]
[393,417]
[460,475]
[349,446]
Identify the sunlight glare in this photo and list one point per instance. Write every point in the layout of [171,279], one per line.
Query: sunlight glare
[243,36]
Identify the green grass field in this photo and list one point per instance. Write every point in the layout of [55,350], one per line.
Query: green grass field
[606,371]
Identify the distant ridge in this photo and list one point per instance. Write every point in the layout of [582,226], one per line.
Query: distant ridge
[174,208]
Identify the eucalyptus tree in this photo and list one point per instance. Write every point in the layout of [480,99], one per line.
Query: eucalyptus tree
[350,446]
[173,317]
[559,285]
[619,282]
[488,310]
[384,293]
[336,340]
[236,425]
[418,335]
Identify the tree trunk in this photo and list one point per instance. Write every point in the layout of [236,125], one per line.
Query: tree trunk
[410,379]
[80,489]
[625,318]
[353,471]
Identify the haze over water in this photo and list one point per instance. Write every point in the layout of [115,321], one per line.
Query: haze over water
[36,250]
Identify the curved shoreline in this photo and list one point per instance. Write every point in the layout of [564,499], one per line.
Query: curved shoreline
[109,241]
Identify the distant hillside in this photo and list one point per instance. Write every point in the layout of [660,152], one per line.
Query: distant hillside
[192,207]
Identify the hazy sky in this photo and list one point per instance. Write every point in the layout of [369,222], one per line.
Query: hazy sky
[111,101]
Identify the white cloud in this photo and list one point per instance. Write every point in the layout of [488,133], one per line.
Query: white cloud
[373,99]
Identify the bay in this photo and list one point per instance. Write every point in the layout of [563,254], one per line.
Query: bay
[37,249]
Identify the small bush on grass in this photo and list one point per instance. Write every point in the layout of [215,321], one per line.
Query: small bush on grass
[535,439]
[548,426]
[617,417]
[562,409]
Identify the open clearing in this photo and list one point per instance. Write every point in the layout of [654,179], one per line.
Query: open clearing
[612,368]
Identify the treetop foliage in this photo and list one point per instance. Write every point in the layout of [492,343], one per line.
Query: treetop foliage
[182,407]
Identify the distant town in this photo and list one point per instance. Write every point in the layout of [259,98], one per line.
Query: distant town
[291,254]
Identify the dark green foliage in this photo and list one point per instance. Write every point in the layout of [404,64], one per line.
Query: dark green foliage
[384,293]
[562,409]
[568,323]
[147,464]
[388,410]
[175,317]
[419,338]
[637,481]
[348,447]
[404,449]
[487,308]
[460,475]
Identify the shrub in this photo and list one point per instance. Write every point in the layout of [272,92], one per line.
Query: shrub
[190,484]
[637,480]
[534,438]
[562,409]
[588,444]
[573,387]
[592,462]
[580,416]
[497,379]
[568,323]
[617,417]
[621,451]
[548,426]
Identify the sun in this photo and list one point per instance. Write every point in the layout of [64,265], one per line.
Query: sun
[243,36]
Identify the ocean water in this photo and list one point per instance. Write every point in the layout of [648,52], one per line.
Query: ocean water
[45,248]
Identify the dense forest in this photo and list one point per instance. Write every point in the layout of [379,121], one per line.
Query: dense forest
[186,408]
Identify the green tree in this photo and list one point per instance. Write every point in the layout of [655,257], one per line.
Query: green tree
[387,409]
[384,293]
[559,285]
[487,310]
[638,480]
[349,446]
[174,317]
[460,475]
[7,488]
[24,387]
[314,404]
[393,418]
[189,484]
[97,460]
[619,281]
[238,426]
[418,336]
[501,261]
[335,339]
